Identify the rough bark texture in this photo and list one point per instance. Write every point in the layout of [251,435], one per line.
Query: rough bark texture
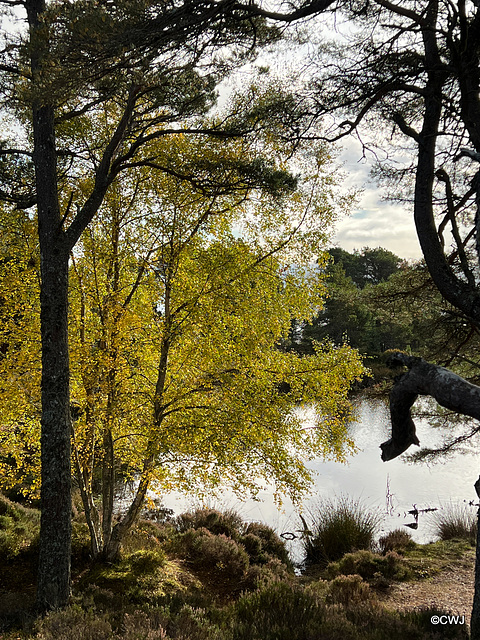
[53,588]
[55,531]
[448,389]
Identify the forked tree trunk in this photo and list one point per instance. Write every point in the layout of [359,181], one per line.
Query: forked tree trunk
[113,545]
[91,513]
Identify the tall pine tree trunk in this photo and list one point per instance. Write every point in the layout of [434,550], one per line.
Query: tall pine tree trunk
[53,588]
[55,530]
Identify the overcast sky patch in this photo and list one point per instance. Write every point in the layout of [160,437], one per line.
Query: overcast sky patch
[373,222]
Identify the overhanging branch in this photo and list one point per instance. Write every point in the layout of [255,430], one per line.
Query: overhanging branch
[426,379]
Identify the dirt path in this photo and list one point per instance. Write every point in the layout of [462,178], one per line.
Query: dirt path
[451,590]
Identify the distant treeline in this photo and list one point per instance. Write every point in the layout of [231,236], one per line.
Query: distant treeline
[377,301]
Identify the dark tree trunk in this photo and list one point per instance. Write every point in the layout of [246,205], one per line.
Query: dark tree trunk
[108,483]
[53,588]
[475,619]
[55,531]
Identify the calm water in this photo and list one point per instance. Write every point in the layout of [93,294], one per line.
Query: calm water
[390,488]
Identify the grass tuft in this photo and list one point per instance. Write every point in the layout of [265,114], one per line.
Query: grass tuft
[339,527]
[456,522]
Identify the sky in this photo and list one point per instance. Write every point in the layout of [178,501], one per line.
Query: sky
[373,222]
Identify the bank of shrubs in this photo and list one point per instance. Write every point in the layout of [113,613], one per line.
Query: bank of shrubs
[208,575]
[232,556]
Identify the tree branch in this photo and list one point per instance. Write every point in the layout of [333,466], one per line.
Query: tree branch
[448,389]
[307,9]
[103,175]
[402,11]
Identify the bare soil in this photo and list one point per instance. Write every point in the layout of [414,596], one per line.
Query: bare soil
[450,589]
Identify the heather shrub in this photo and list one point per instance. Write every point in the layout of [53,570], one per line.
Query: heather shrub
[187,623]
[370,566]
[348,590]
[140,626]
[193,624]
[74,624]
[377,623]
[260,575]
[338,528]
[277,612]
[259,540]
[262,543]
[228,523]
[225,560]
[396,540]
[253,546]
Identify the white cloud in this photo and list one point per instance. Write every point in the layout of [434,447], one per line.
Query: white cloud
[379,225]
[374,223]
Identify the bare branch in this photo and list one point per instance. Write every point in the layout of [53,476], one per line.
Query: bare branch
[309,8]
[448,389]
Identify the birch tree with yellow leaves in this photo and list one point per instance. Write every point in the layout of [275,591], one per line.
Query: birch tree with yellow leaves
[181,297]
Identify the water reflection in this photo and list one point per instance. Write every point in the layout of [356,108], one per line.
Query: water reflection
[396,486]
[396,489]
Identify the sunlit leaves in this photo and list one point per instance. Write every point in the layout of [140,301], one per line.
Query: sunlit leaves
[19,352]
[182,291]
[184,363]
